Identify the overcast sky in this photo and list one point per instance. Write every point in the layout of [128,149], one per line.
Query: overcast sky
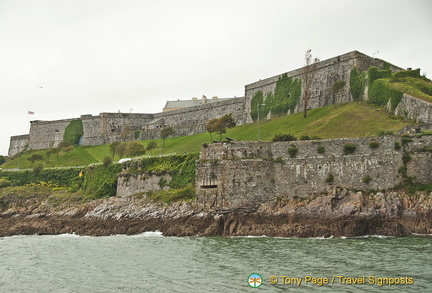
[65,58]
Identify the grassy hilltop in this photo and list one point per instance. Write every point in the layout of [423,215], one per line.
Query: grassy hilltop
[347,120]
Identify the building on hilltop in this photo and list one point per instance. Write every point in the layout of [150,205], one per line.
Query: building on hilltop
[181,104]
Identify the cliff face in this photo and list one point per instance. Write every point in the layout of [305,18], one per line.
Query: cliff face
[339,212]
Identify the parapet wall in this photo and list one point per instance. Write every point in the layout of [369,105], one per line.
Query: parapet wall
[243,173]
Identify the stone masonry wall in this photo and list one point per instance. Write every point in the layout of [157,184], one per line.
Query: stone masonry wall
[47,134]
[242,173]
[17,144]
[327,72]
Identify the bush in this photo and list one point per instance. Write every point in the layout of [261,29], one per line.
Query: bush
[397,145]
[5,182]
[321,149]
[292,151]
[37,169]
[329,178]
[310,137]
[367,179]
[406,139]
[151,145]
[373,144]
[385,132]
[406,158]
[284,137]
[349,148]
[107,161]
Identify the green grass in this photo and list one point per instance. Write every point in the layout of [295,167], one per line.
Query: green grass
[347,120]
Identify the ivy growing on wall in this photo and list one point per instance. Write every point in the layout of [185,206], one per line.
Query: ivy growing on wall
[357,84]
[73,132]
[285,97]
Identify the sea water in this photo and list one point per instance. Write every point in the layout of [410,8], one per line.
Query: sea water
[152,263]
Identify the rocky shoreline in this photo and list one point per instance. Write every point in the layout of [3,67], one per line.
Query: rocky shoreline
[338,213]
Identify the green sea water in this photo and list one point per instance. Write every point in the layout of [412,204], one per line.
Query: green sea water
[152,263]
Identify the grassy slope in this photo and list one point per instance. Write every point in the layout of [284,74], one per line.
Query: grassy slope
[416,87]
[348,120]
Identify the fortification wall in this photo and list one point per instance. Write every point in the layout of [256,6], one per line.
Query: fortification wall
[17,144]
[325,74]
[243,173]
[47,134]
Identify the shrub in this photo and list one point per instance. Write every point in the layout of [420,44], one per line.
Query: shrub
[37,169]
[151,145]
[292,151]
[367,179]
[107,161]
[5,182]
[329,178]
[406,139]
[205,145]
[349,148]
[284,137]
[406,158]
[373,144]
[321,149]
[310,137]
[397,145]
[385,132]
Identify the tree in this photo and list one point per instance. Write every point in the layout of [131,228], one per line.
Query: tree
[165,133]
[308,77]
[151,145]
[34,158]
[225,122]
[126,133]
[135,148]
[113,148]
[121,149]
[62,145]
[212,127]
[107,161]
[49,153]
[2,160]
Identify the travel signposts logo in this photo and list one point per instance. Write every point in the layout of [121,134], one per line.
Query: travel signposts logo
[254,280]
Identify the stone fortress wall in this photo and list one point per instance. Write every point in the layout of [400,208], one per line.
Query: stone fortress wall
[107,127]
[325,74]
[236,174]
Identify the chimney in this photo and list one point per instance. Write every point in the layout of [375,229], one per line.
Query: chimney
[204,99]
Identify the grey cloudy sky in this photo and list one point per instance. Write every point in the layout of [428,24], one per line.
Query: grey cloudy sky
[65,58]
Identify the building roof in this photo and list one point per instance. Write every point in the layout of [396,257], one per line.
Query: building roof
[190,103]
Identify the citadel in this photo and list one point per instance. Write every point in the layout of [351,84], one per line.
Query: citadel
[190,117]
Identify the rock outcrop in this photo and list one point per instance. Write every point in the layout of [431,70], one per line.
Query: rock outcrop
[339,212]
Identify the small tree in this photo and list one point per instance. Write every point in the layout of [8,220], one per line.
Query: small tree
[49,153]
[135,148]
[151,145]
[165,133]
[121,149]
[113,148]
[212,127]
[126,133]
[2,160]
[225,122]
[34,158]
[308,77]
[107,161]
